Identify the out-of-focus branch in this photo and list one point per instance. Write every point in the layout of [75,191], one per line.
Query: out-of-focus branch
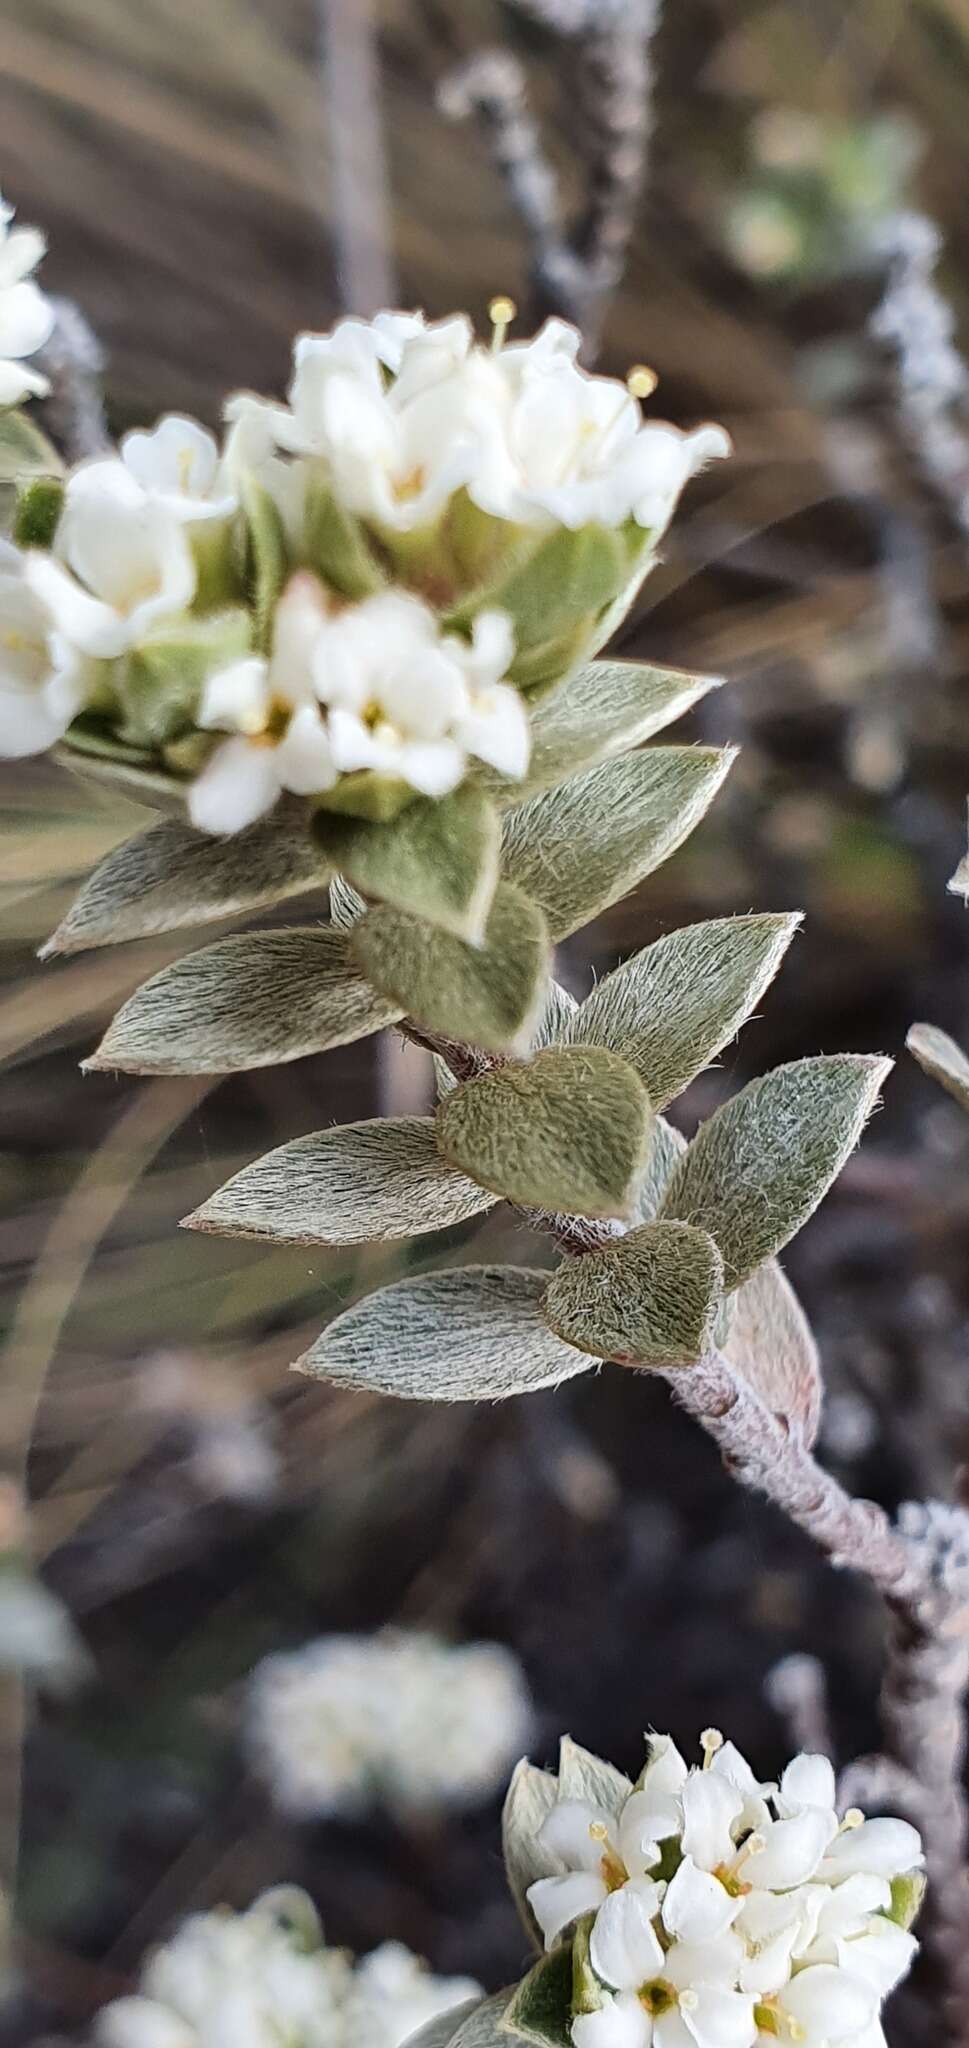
[359,206]
[915,322]
[74,361]
[575,268]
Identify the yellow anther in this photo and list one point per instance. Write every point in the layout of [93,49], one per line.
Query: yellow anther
[854,1818]
[641,381]
[710,1741]
[252,723]
[599,1831]
[501,312]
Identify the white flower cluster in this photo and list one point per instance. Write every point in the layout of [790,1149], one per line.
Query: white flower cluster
[723,1912]
[396,1719]
[406,414]
[352,590]
[256,1979]
[26,316]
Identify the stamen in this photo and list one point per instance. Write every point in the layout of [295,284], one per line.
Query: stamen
[501,312]
[854,1818]
[641,381]
[710,1741]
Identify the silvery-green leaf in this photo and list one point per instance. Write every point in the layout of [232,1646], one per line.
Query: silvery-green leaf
[488,996]
[665,1147]
[650,1299]
[118,771]
[384,1178]
[758,1168]
[578,848]
[346,907]
[267,558]
[541,2009]
[24,450]
[160,683]
[566,1131]
[254,1000]
[671,1008]
[172,876]
[553,1025]
[605,708]
[942,1058]
[591,1778]
[770,1343]
[475,2024]
[530,1798]
[438,859]
[333,542]
[473,1334]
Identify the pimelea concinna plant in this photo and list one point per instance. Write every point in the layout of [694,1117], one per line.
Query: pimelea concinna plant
[357,644]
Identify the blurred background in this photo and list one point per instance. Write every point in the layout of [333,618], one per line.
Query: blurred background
[208,173]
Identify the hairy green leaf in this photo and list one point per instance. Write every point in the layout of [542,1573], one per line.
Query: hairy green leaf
[171,876]
[161,682]
[553,1025]
[119,771]
[530,1798]
[474,1334]
[671,1008]
[605,708]
[758,1168]
[439,859]
[267,557]
[650,1299]
[442,2031]
[566,1131]
[385,1178]
[579,847]
[250,1001]
[590,1778]
[541,2008]
[39,504]
[489,995]
[770,1344]
[334,544]
[666,1146]
[942,1058]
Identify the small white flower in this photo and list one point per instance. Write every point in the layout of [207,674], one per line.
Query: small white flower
[682,1996]
[395,1994]
[270,707]
[26,316]
[43,681]
[404,701]
[121,563]
[178,466]
[397,1719]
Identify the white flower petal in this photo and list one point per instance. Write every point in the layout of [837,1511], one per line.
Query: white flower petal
[304,756]
[666,1770]
[579,1833]
[83,620]
[719,2019]
[623,1948]
[711,1805]
[26,320]
[886,1848]
[705,1962]
[620,2023]
[696,1906]
[808,1781]
[557,1901]
[20,253]
[236,698]
[18,382]
[792,1851]
[235,787]
[434,769]
[495,728]
[881,1957]
[728,1762]
[28,723]
[828,2004]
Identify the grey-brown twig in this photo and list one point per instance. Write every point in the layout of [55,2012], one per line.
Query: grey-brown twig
[73,360]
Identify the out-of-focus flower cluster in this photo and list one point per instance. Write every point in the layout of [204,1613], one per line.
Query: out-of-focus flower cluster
[397,1719]
[710,1910]
[263,1977]
[352,598]
[26,316]
[814,192]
